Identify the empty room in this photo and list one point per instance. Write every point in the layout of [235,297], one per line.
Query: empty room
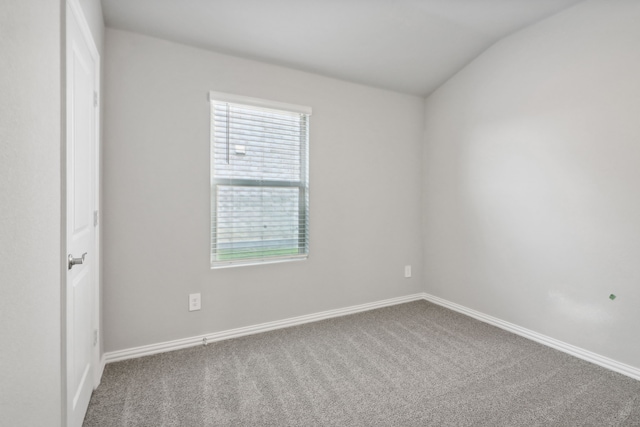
[320,213]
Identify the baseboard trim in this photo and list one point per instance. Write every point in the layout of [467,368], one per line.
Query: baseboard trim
[147,350]
[578,352]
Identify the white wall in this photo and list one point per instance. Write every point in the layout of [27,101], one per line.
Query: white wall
[365,173]
[30,213]
[531,204]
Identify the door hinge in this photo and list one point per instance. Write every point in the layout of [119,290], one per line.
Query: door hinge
[95,98]
[95,218]
[95,337]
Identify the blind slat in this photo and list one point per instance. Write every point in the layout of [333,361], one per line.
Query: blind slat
[261,212]
[222,116]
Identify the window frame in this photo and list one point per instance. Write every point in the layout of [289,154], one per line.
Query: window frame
[302,183]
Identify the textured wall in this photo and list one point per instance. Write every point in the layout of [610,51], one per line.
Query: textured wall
[531,171]
[365,169]
[30,209]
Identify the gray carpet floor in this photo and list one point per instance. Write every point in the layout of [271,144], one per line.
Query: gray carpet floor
[415,364]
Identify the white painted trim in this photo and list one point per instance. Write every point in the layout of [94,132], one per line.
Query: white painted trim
[147,350]
[578,352]
[257,102]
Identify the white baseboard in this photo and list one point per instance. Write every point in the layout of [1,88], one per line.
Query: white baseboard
[147,350]
[578,352]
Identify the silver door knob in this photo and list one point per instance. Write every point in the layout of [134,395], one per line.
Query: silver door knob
[76,261]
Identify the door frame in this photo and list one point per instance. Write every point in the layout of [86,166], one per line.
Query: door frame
[97,360]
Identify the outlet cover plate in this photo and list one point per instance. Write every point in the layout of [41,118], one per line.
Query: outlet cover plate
[194,302]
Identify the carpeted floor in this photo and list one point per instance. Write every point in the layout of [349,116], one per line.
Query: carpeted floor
[415,364]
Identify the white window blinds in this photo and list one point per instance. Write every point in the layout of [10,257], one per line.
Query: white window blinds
[259,181]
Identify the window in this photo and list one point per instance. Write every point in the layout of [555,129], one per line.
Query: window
[259,181]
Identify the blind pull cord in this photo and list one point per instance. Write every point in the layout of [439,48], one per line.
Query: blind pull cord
[228,126]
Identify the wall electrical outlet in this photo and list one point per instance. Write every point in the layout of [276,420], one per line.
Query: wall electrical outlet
[407,271]
[194,302]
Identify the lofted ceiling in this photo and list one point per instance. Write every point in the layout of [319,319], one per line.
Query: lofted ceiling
[409,46]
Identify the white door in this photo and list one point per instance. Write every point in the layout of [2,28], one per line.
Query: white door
[82,69]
